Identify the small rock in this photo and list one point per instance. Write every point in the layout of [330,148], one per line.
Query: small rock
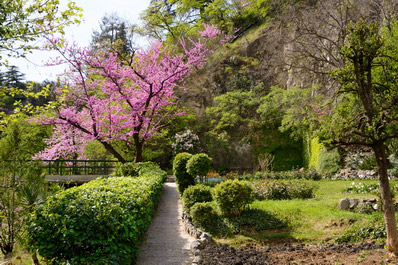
[375,206]
[344,204]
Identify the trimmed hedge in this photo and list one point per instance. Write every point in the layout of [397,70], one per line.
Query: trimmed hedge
[233,196]
[194,194]
[283,189]
[101,222]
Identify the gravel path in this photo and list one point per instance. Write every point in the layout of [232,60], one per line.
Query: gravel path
[167,243]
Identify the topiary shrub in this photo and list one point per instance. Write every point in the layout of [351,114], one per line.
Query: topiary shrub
[232,196]
[195,194]
[183,179]
[199,165]
[205,216]
[329,162]
[101,222]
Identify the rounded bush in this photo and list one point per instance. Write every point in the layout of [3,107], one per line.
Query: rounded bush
[183,179]
[101,222]
[205,216]
[195,194]
[199,165]
[232,196]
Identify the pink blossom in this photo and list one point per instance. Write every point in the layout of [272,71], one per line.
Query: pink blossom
[105,99]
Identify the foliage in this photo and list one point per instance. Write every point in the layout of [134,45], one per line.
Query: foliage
[194,194]
[329,162]
[172,19]
[233,196]
[23,22]
[115,34]
[315,149]
[368,163]
[66,227]
[183,179]
[360,233]
[132,169]
[293,174]
[199,165]
[186,142]
[205,216]
[283,189]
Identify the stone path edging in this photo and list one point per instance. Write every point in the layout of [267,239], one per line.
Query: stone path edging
[202,238]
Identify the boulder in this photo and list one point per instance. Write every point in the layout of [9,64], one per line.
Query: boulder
[344,204]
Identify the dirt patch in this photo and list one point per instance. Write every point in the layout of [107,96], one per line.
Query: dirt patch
[324,254]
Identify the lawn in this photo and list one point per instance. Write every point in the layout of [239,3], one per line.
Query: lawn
[314,220]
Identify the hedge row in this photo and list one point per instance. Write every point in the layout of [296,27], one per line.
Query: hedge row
[101,222]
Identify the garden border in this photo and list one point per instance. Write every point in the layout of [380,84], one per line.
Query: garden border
[202,238]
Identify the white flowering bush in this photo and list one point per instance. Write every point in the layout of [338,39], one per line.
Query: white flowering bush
[186,142]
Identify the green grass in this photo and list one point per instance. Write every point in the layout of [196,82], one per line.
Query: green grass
[313,220]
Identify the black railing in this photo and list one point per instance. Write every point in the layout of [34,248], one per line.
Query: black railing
[79,167]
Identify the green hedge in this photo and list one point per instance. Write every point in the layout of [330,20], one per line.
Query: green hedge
[101,222]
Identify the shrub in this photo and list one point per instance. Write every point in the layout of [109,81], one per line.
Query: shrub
[132,169]
[101,222]
[232,196]
[329,162]
[205,216]
[180,172]
[199,165]
[292,174]
[369,163]
[360,233]
[283,190]
[195,194]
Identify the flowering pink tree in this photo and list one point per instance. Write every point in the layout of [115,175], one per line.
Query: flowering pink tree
[109,100]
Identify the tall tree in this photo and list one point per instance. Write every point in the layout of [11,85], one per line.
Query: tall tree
[110,100]
[22,22]
[365,111]
[115,34]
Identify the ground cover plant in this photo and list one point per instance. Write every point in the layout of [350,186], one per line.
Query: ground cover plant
[100,222]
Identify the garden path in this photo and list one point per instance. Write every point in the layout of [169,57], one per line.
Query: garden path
[167,243]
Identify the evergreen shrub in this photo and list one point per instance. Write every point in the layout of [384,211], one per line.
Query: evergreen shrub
[233,196]
[199,165]
[205,216]
[183,179]
[195,194]
[101,222]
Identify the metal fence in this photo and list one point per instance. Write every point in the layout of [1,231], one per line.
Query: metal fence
[79,167]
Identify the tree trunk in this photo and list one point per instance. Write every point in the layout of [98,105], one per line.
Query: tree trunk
[138,150]
[112,150]
[34,258]
[388,204]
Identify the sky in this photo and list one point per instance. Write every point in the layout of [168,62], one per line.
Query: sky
[93,10]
